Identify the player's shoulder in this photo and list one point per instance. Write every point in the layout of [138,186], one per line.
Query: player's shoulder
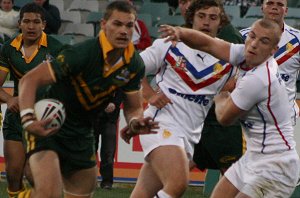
[291,30]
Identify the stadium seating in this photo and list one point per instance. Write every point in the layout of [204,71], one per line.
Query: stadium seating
[59,4]
[176,20]
[156,10]
[233,11]
[94,18]
[20,3]
[254,12]
[293,13]
[146,18]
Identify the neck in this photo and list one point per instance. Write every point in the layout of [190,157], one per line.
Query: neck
[29,43]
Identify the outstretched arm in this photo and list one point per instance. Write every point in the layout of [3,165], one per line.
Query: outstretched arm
[197,40]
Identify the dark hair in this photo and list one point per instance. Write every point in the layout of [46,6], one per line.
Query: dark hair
[122,6]
[33,8]
[200,4]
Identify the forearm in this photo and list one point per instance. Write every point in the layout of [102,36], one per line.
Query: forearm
[194,38]
[133,106]
[221,105]
[147,90]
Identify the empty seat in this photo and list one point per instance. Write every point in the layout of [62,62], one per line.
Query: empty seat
[254,12]
[79,29]
[64,39]
[233,11]
[82,5]
[156,10]
[20,3]
[94,18]
[293,13]
[176,20]
[59,4]
[72,17]
[241,23]
[146,18]
[69,17]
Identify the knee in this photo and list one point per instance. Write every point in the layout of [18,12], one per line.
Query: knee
[177,188]
[46,192]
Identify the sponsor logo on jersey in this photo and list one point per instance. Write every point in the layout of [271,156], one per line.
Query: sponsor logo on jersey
[199,99]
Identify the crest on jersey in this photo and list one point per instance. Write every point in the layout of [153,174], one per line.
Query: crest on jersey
[217,69]
[180,63]
[60,58]
[124,75]
[289,47]
[166,134]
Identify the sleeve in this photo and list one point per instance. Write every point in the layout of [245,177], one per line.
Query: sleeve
[153,56]
[4,59]
[244,96]
[68,62]
[145,40]
[236,54]
[137,74]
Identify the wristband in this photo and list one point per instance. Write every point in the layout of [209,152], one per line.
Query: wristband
[130,123]
[27,123]
[26,111]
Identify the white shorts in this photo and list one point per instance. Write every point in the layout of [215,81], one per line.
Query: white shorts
[265,175]
[168,134]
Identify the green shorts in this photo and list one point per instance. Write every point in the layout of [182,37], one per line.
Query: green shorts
[74,153]
[12,128]
[219,146]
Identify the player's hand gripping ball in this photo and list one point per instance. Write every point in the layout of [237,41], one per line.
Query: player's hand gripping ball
[50,108]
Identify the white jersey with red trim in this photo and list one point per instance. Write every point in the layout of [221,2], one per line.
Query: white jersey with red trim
[190,78]
[262,92]
[288,59]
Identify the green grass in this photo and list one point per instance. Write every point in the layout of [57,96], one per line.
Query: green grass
[120,190]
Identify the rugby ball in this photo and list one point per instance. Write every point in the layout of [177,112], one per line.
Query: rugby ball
[50,108]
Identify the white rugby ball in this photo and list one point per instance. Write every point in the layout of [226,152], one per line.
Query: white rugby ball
[50,108]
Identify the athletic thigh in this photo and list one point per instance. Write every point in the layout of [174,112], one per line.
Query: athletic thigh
[80,183]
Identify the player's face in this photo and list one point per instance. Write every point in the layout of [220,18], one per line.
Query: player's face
[259,45]
[31,26]
[119,28]
[6,5]
[183,6]
[275,10]
[207,20]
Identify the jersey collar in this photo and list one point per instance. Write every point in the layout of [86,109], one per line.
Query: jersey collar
[17,42]
[107,47]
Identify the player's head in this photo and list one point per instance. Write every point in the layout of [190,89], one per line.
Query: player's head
[32,21]
[118,23]
[6,5]
[275,10]
[262,41]
[183,6]
[205,16]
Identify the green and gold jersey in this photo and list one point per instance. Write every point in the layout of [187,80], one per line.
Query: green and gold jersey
[85,81]
[13,60]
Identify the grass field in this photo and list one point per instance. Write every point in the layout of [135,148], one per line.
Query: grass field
[120,190]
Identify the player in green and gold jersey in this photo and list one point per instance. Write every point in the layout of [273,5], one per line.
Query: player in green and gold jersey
[83,78]
[18,56]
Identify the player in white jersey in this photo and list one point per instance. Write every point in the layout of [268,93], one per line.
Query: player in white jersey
[288,54]
[270,167]
[188,80]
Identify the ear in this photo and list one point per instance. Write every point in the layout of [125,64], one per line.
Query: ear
[102,24]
